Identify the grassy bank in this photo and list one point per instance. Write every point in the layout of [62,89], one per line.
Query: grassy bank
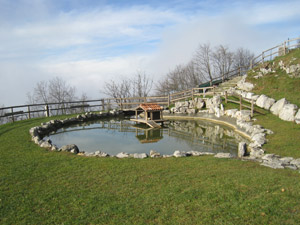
[41,187]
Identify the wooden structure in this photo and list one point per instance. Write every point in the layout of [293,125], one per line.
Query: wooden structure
[153,114]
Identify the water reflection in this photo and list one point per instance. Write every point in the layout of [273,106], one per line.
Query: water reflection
[114,136]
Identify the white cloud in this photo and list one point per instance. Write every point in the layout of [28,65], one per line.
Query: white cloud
[90,47]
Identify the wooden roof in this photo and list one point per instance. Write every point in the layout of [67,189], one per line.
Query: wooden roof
[150,107]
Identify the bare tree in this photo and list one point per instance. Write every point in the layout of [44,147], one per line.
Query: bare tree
[54,91]
[242,58]
[223,61]
[203,60]
[139,86]
[142,85]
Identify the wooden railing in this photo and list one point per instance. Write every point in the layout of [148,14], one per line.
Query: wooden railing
[13,113]
[278,50]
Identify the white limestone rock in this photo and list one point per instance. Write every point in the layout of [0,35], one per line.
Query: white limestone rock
[230,112]
[122,155]
[178,154]
[140,155]
[242,149]
[154,154]
[265,102]
[243,115]
[70,148]
[223,155]
[297,117]
[278,106]
[288,112]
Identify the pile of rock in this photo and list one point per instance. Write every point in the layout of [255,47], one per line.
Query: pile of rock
[212,105]
[282,108]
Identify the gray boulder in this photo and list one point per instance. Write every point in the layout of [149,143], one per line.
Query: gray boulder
[70,148]
[140,155]
[242,149]
[101,154]
[297,117]
[154,154]
[191,111]
[122,155]
[296,162]
[288,112]
[243,115]
[223,155]
[265,102]
[231,112]
[178,154]
[278,106]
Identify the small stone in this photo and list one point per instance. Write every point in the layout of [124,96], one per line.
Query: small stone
[70,148]
[122,155]
[154,154]
[140,155]
[223,155]
[178,153]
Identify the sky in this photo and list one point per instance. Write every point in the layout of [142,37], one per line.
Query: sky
[90,42]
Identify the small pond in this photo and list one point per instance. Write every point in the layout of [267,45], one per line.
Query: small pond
[120,135]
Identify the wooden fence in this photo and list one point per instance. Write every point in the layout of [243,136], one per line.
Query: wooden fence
[278,50]
[13,113]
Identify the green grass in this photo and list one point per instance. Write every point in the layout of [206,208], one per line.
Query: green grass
[41,187]
[278,85]
[285,140]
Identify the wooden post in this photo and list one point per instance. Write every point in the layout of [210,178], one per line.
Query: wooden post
[241,103]
[169,100]
[108,105]
[251,64]
[252,108]
[262,57]
[284,48]
[103,106]
[225,96]
[121,106]
[193,94]
[29,115]
[12,114]
[47,111]
[204,91]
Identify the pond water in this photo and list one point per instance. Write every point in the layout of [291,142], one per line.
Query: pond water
[118,135]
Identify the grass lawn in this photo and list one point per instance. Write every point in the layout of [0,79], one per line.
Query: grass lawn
[41,187]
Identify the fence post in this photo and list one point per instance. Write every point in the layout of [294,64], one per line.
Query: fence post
[47,110]
[103,107]
[29,115]
[121,105]
[193,94]
[225,96]
[252,108]
[241,103]
[12,114]
[284,48]
[169,100]
[262,57]
[251,64]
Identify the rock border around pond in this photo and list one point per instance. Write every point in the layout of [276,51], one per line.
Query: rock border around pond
[255,133]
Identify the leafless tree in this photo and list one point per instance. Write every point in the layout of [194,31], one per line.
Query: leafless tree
[55,90]
[139,86]
[203,60]
[142,85]
[242,58]
[223,61]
